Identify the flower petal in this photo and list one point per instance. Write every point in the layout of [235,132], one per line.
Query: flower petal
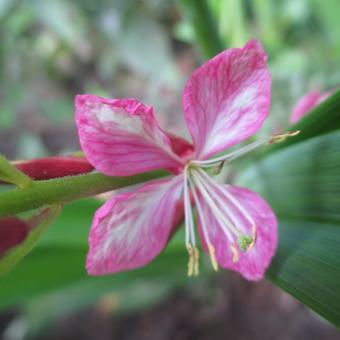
[252,263]
[121,137]
[307,103]
[227,99]
[132,228]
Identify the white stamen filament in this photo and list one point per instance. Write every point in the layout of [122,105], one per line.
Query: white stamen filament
[224,208]
[193,264]
[232,155]
[229,196]
[189,224]
[199,210]
[224,222]
[245,149]
[204,225]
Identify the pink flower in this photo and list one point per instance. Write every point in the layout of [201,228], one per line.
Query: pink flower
[307,103]
[225,101]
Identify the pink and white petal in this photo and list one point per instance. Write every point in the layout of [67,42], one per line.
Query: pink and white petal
[307,103]
[132,228]
[122,137]
[227,99]
[253,263]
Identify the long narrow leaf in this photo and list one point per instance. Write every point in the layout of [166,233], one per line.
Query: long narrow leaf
[302,183]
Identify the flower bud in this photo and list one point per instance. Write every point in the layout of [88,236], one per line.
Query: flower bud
[13,232]
[54,167]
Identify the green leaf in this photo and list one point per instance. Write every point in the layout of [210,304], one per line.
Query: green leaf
[322,119]
[307,265]
[42,221]
[302,184]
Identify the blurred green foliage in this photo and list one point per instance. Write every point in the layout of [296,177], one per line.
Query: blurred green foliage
[51,50]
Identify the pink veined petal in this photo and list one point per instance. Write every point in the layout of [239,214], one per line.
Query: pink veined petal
[307,103]
[121,137]
[227,99]
[253,263]
[132,228]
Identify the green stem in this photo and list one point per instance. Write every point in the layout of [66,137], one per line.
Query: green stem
[199,15]
[10,174]
[66,189]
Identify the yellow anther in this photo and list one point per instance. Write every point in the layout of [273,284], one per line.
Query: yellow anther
[191,261]
[196,261]
[282,137]
[235,253]
[212,257]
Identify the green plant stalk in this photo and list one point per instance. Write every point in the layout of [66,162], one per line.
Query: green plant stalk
[9,173]
[64,190]
[206,33]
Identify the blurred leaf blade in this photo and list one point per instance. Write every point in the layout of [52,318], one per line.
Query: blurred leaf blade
[47,265]
[307,265]
[305,194]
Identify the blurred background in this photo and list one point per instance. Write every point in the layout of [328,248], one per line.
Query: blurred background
[51,50]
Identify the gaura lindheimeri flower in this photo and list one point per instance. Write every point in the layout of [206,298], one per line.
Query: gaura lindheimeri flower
[307,103]
[225,101]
